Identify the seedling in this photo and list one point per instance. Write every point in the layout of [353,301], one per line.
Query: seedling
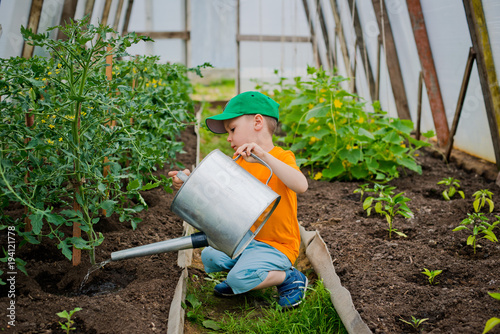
[479,225]
[414,322]
[69,322]
[453,185]
[482,197]
[431,275]
[389,206]
[492,322]
[361,189]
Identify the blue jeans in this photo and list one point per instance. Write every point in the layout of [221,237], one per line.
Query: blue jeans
[250,268]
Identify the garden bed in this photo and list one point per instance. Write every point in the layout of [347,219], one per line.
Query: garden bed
[129,296]
[384,275]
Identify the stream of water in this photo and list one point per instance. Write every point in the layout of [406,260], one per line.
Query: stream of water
[91,270]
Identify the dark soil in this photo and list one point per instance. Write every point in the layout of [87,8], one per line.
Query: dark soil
[382,274]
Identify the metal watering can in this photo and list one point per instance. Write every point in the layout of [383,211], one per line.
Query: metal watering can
[222,200]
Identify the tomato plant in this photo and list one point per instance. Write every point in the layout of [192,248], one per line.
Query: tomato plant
[334,135]
[95,142]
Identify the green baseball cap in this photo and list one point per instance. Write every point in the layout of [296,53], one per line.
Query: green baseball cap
[247,103]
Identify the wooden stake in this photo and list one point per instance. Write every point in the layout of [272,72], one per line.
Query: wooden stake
[460,102]
[419,104]
[29,120]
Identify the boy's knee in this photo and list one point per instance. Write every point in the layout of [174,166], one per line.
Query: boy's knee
[214,260]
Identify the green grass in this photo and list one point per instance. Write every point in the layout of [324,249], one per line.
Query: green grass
[258,311]
[218,90]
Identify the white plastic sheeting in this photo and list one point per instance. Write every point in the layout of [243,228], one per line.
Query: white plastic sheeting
[213,39]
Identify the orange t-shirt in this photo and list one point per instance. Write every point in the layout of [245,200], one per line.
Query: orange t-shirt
[282,228]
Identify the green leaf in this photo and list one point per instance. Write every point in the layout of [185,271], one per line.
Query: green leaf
[55,219]
[359,171]
[318,111]
[66,250]
[133,185]
[109,206]
[492,322]
[210,324]
[334,169]
[495,295]
[150,185]
[37,222]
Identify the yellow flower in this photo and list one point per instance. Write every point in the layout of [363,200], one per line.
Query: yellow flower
[318,176]
[312,120]
[331,126]
[403,145]
[43,121]
[321,100]
[134,70]
[323,90]
[44,79]
[337,103]
[145,69]
[53,116]
[51,142]
[51,126]
[50,73]
[84,113]
[313,140]
[60,139]
[154,81]
[348,147]
[416,154]
[59,65]
[155,86]
[310,105]
[361,120]
[147,85]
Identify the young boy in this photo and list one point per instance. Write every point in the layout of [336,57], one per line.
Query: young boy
[250,120]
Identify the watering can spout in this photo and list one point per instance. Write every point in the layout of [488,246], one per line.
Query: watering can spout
[195,240]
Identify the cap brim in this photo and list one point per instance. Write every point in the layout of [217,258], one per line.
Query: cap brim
[215,124]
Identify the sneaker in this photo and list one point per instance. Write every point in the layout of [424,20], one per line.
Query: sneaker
[293,290]
[223,290]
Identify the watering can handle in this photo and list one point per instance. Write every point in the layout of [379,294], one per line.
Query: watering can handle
[261,162]
[182,176]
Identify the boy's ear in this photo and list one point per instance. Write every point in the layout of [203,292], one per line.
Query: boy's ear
[258,122]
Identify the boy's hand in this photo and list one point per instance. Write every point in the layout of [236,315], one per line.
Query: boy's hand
[247,149]
[176,182]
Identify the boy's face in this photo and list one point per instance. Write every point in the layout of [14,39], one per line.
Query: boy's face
[240,130]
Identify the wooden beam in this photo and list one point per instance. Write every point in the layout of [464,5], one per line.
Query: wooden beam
[127,16]
[89,7]
[429,72]
[118,15]
[342,39]
[68,12]
[165,34]
[486,69]
[460,102]
[391,54]
[34,20]
[261,38]
[317,58]
[361,42]
[105,12]
[324,31]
